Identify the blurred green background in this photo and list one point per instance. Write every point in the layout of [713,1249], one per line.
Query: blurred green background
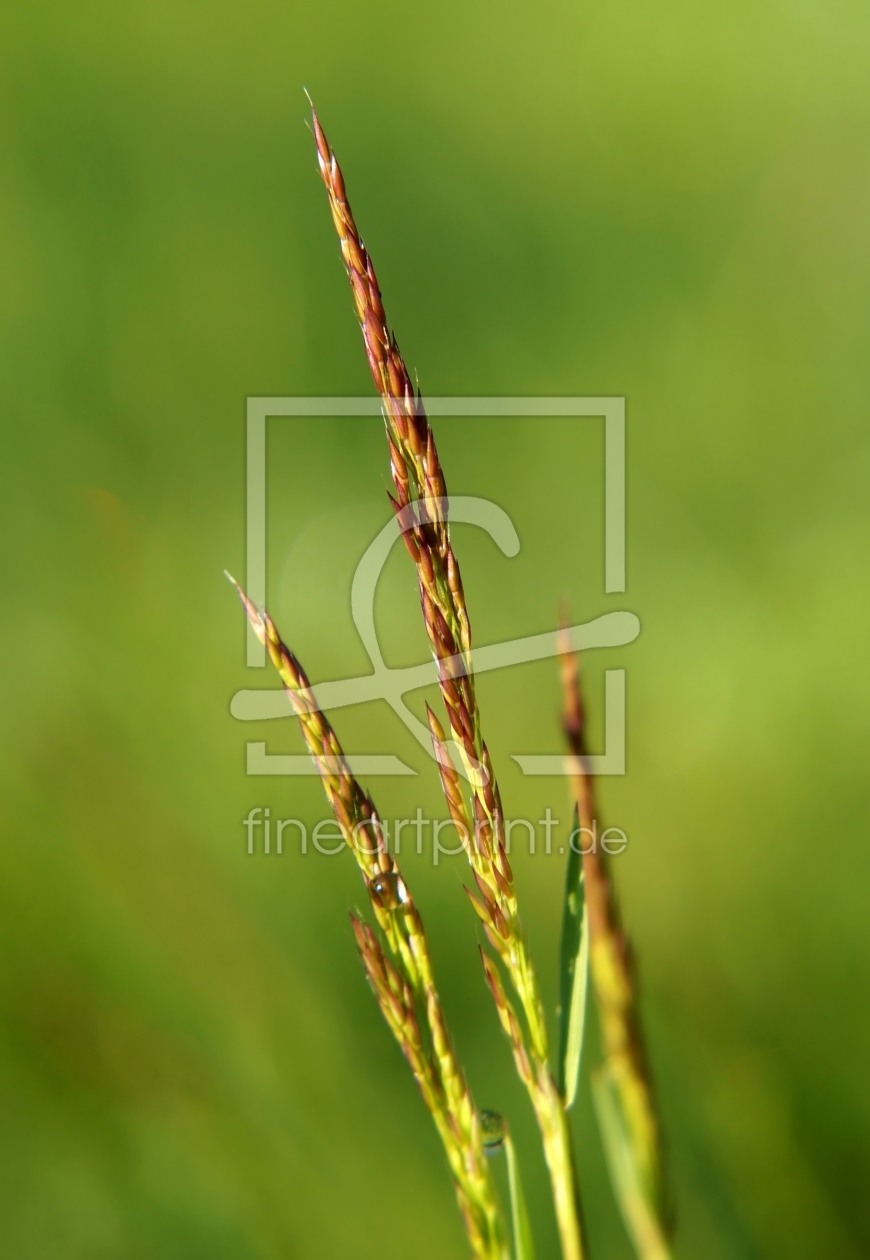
[667,202]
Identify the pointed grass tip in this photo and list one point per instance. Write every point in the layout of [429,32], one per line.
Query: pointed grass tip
[256,618]
[323,150]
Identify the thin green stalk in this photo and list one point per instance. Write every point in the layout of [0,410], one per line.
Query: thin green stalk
[422,507]
[524,1247]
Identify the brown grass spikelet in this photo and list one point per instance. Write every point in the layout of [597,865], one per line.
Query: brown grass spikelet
[623,1085]
[403,984]
[422,507]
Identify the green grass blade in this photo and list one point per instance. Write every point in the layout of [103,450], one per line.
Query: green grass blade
[524,1247]
[614,1134]
[633,1193]
[573,976]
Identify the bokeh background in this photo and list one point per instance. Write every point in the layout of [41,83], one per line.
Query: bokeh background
[667,202]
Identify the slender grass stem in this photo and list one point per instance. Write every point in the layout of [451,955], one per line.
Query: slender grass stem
[422,506]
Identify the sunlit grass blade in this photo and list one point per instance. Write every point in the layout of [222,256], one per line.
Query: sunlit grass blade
[647,1206]
[573,974]
[524,1246]
[635,1192]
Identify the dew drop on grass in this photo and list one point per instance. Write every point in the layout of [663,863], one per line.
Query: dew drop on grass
[387,890]
[493,1131]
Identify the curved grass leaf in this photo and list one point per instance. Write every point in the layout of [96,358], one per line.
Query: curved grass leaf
[573,975]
